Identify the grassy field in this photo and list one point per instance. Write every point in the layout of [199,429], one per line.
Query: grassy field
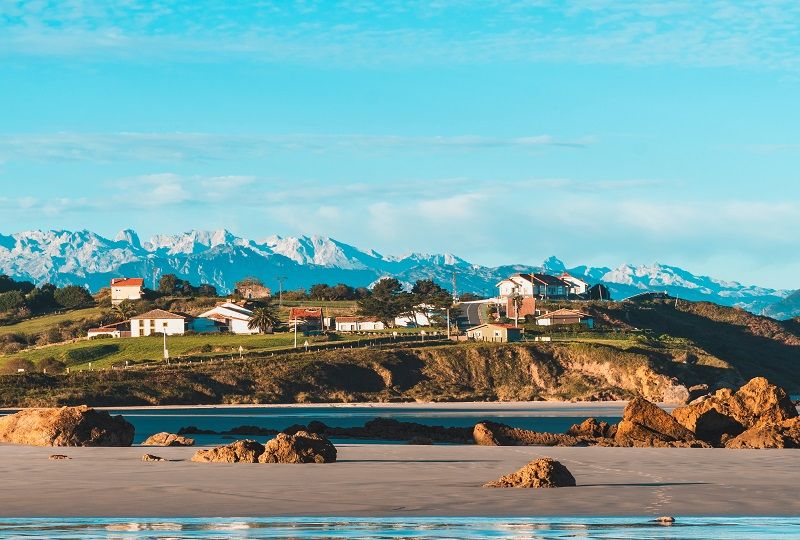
[41,324]
[106,352]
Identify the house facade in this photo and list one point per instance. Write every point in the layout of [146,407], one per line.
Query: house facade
[230,317]
[495,332]
[126,289]
[358,324]
[577,285]
[158,321]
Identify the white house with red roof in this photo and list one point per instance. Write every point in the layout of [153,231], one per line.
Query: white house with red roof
[126,289]
[233,317]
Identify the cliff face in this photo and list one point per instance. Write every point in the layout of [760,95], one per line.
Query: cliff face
[559,371]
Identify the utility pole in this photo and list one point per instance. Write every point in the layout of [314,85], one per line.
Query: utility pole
[455,289]
[281,281]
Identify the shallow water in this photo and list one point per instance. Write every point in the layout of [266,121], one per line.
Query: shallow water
[149,421]
[392,528]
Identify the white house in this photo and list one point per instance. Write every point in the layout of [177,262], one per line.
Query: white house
[358,324]
[233,317]
[158,321]
[577,285]
[533,285]
[520,284]
[126,289]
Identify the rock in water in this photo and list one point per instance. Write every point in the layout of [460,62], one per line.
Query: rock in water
[168,439]
[494,434]
[246,451]
[67,426]
[645,424]
[151,457]
[541,473]
[302,447]
[726,414]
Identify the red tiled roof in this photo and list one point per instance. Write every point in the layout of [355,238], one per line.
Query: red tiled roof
[305,313]
[127,282]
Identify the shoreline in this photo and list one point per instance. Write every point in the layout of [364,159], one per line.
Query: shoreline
[400,481]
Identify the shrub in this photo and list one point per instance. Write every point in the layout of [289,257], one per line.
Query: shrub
[15,364]
[72,297]
[51,365]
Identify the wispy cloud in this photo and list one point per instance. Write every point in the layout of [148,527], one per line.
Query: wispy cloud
[106,147]
[762,33]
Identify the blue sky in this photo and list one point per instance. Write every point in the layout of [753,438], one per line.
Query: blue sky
[502,131]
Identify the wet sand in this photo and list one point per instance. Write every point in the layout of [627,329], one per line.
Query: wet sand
[393,480]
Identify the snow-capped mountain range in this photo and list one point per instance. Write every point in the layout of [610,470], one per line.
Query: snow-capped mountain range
[221,259]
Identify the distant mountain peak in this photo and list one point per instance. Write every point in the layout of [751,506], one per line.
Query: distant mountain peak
[221,258]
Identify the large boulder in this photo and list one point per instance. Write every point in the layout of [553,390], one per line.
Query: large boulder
[726,414]
[494,434]
[302,447]
[168,439]
[66,426]
[541,473]
[785,434]
[645,424]
[245,451]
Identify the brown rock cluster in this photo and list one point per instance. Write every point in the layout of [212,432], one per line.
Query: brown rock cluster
[302,447]
[151,457]
[758,415]
[168,439]
[58,457]
[494,434]
[541,473]
[66,426]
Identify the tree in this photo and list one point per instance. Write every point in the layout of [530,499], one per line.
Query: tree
[11,300]
[264,319]
[72,297]
[168,284]
[124,310]
[387,301]
[42,298]
[432,296]
[599,292]
[8,284]
[206,290]
[320,291]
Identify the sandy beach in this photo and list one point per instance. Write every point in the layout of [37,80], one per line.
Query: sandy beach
[393,480]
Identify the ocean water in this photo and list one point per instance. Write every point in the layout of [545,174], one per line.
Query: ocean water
[149,421]
[753,528]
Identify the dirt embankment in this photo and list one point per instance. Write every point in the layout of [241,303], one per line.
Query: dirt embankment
[454,373]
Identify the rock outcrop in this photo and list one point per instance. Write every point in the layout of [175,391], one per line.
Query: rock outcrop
[168,439]
[592,428]
[785,434]
[494,434]
[646,424]
[58,457]
[541,473]
[66,426]
[151,457]
[302,447]
[245,451]
[727,414]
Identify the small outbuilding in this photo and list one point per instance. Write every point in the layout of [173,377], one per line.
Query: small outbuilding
[496,332]
[358,324]
[563,317]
